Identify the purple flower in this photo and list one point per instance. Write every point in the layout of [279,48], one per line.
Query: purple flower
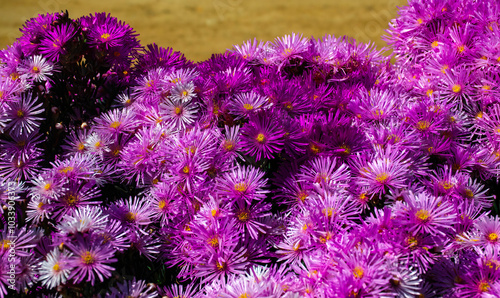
[54,44]
[245,183]
[90,259]
[262,136]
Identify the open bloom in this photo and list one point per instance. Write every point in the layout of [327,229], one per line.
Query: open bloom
[90,259]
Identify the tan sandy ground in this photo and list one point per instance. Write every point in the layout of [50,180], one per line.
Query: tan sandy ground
[200,28]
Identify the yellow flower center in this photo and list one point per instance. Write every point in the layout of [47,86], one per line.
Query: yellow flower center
[346,151]
[20,113]
[358,272]
[314,148]
[422,215]
[228,145]
[483,286]
[435,44]
[184,93]
[185,170]
[461,48]
[35,69]
[162,204]
[177,110]
[456,88]
[260,138]
[214,242]
[80,147]
[221,266]
[214,212]
[423,125]
[469,193]
[47,186]
[287,52]
[243,216]
[115,124]
[382,177]
[493,237]
[446,185]
[244,295]
[105,36]
[248,107]
[5,244]
[130,216]
[88,258]
[71,200]
[56,267]
[412,241]
[302,196]
[240,187]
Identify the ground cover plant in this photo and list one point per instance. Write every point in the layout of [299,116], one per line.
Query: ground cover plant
[300,167]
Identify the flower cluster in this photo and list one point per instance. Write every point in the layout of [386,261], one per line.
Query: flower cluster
[292,168]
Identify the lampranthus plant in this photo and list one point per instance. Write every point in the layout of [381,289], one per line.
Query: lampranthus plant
[293,168]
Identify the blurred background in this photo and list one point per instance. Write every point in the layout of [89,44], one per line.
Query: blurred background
[199,28]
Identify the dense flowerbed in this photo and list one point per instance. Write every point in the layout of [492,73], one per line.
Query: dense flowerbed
[293,168]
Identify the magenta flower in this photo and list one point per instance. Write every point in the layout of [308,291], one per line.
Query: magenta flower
[90,260]
[53,46]
[262,136]
[245,183]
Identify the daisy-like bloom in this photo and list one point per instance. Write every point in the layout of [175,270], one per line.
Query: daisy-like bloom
[133,288]
[231,142]
[247,217]
[55,269]
[325,171]
[36,68]
[22,114]
[38,209]
[443,181]
[289,47]
[97,142]
[179,115]
[134,213]
[262,136]
[164,201]
[182,92]
[116,122]
[472,191]
[377,105]
[244,104]
[155,56]
[249,50]
[75,195]
[245,183]
[113,234]
[405,282]
[45,187]
[228,262]
[151,88]
[388,170]
[76,167]
[486,235]
[83,220]
[15,167]
[90,259]
[75,142]
[427,214]
[53,46]
[182,76]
